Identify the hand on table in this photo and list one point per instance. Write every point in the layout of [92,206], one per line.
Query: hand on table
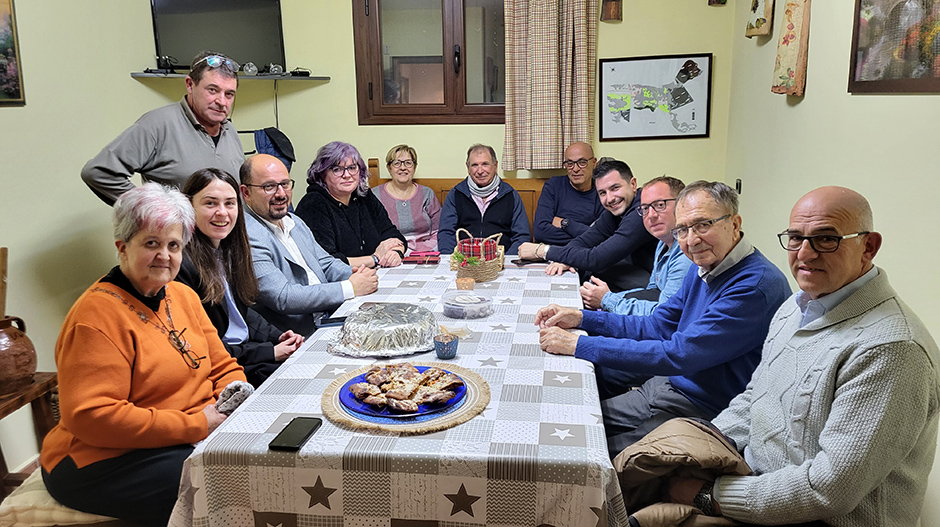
[527,251]
[364,280]
[592,292]
[557,269]
[391,259]
[387,245]
[289,342]
[558,341]
[555,315]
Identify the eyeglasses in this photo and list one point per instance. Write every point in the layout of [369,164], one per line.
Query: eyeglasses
[182,346]
[821,243]
[407,163]
[567,163]
[700,228]
[338,171]
[658,205]
[271,188]
[214,61]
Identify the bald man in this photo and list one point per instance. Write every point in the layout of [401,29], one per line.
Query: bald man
[568,204]
[839,422]
[298,281]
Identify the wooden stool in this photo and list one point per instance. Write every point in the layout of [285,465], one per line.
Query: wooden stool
[39,396]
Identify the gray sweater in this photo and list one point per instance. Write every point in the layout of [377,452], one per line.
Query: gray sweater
[840,417]
[165,145]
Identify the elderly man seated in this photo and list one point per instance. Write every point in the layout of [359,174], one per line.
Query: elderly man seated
[670,265]
[839,422]
[483,205]
[698,349]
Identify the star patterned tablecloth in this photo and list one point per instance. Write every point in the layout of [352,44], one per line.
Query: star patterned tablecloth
[536,456]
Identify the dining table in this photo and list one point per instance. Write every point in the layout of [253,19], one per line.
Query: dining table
[534,455]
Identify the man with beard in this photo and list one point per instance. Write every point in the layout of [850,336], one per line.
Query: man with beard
[298,281]
[168,144]
[617,248]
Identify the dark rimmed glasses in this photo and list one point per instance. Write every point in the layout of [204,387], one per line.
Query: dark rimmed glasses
[407,163]
[567,163]
[658,205]
[821,243]
[180,343]
[338,170]
[700,228]
[214,61]
[271,188]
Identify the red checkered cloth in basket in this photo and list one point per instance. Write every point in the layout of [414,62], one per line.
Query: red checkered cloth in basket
[483,248]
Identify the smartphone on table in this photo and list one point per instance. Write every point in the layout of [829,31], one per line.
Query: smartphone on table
[295,434]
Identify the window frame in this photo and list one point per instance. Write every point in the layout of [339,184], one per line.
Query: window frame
[369,75]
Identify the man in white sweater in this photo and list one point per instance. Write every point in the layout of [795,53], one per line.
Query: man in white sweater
[839,421]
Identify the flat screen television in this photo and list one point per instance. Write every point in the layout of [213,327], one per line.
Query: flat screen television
[243,30]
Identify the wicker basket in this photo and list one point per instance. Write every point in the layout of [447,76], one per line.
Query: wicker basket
[485,270]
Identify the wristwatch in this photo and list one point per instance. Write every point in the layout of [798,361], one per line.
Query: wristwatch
[703,500]
[564,224]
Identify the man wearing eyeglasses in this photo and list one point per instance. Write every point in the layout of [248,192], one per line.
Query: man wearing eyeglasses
[697,350]
[298,281]
[168,144]
[670,264]
[568,204]
[839,422]
[616,248]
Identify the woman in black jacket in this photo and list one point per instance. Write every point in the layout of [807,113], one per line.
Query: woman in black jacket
[217,265]
[347,219]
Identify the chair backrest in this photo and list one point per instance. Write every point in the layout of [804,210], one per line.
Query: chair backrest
[530,190]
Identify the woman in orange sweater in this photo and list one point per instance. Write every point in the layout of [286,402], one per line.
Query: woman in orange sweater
[140,367]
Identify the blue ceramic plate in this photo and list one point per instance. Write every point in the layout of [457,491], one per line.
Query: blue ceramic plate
[350,402]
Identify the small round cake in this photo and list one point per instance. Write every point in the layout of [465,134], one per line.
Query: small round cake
[466,304]
[385,330]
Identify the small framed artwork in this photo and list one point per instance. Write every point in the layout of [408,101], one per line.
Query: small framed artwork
[895,47]
[760,18]
[11,72]
[657,97]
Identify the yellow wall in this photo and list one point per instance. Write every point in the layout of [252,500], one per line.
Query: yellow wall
[77,54]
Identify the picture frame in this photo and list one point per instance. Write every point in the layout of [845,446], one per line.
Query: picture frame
[760,19]
[655,97]
[11,68]
[895,47]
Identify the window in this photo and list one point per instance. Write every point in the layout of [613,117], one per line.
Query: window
[430,61]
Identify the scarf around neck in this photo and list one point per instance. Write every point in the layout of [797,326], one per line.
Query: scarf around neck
[482,192]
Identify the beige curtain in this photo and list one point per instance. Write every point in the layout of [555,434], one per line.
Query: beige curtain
[551,72]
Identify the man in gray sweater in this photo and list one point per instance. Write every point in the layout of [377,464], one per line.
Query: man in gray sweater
[168,144]
[839,421]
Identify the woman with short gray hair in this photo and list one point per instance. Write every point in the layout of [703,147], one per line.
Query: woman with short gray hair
[140,367]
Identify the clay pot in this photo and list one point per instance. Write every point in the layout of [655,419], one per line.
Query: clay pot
[17,356]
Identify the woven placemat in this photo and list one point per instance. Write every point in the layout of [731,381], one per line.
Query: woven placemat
[476,399]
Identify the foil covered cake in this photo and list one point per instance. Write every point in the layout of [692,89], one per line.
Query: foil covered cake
[385,330]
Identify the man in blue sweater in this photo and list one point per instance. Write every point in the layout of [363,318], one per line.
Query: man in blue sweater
[695,351]
[568,204]
[483,205]
[617,248]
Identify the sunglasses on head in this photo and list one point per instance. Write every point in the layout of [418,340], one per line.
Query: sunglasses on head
[215,61]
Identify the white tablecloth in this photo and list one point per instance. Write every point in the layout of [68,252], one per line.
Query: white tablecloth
[537,454]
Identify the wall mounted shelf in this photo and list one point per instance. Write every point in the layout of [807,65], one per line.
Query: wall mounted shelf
[146,75]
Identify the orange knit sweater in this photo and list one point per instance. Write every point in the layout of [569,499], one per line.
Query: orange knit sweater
[123,386]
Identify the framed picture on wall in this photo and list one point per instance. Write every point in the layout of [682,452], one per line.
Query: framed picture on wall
[895,47]
[11,72]
[657,97]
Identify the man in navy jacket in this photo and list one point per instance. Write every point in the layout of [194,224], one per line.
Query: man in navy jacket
[483,205]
